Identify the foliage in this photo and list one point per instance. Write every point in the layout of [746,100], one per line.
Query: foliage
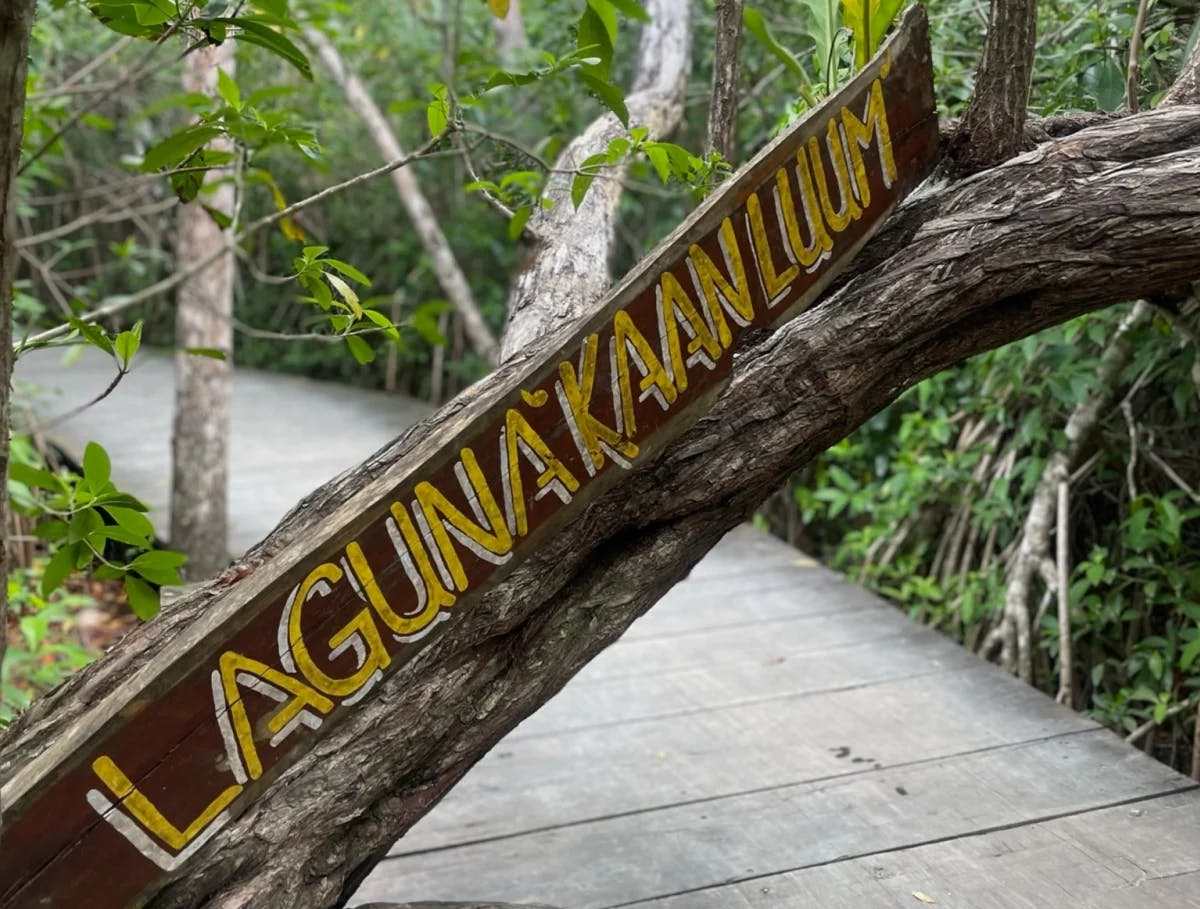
[926,501]
[85,520]
[41,655]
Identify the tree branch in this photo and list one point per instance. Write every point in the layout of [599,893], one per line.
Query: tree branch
[420,212]
[994,124]
[1135,50]
[16,23]
[150,291]
[723,100]
[577,257]
[1186,88]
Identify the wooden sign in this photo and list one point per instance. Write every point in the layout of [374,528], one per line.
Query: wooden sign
[149,775]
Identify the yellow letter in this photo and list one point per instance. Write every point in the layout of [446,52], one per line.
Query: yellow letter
[592,438]
[521,438]
[275,685]
[493,543]
[858,137]
[149,816]
[773,283]
[715,287]
[432,596]
[374,657]
[676,308]
[810,255]
[655,381]
[850,210]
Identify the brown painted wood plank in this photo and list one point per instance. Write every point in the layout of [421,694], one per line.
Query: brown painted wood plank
[1144,855]
[685,848]
[204,727]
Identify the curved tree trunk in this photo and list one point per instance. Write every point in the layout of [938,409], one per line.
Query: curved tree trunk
[420,212]
[203,318]
[16,23]
[568,271]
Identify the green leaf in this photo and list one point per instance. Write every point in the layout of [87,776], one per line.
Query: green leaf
[178,147]
[518,221]
[228,90]
[659,158]
[93,334]
[120,534]
[54,529]
[346,292]
[595,36]
[97,469]
[160,566]
[133,521]
[611,96]
[757,26]
[606,13]
[34,477]
[212,353]
[1188,655]
[59,566]
[1106,84]
[437,114]
[349,271]
[873,16]
[579,187]
[219,217]
[360,349]
[383,322]
[126,344]
[823,27]
[632,9]
[254,31]
[143,599]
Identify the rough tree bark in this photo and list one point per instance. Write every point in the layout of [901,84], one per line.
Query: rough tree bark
[1100,216]
[203,318]
[993,127]
[723,100]
[16,23]
[420,212]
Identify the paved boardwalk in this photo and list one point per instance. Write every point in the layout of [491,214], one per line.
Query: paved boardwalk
[288,436]
[771,736]
[767,737]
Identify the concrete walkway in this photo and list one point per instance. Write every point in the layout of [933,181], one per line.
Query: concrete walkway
[289,434]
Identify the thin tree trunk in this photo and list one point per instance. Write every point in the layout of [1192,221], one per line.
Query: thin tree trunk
[1015,632]
[16,23]
[993,127]
[203,318]
[568,269]
[434,241]
[723,99]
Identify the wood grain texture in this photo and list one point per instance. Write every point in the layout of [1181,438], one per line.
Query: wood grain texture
[1140,855]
